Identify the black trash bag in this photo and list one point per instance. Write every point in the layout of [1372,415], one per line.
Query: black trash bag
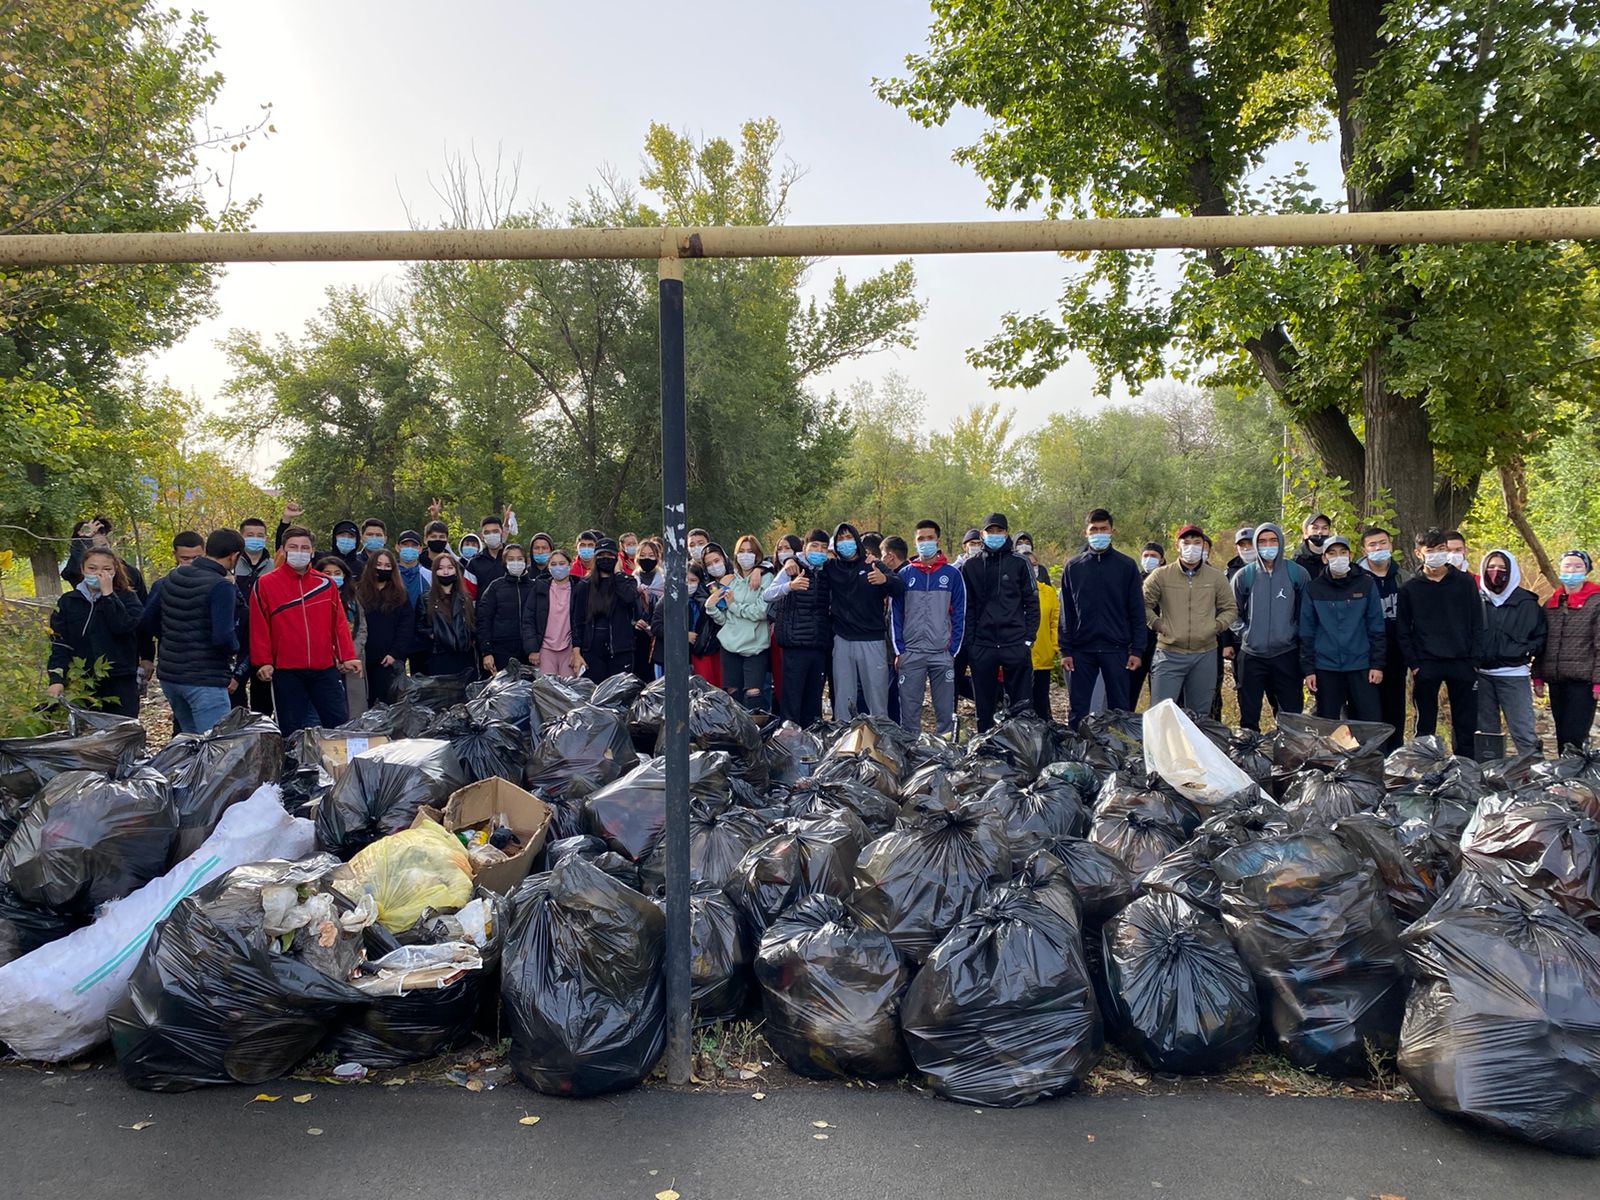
[1316,797]
[1185,1003]
[876,811]
[551,697]
[1310,920]
[25,927]
[1218,734]
[90,742]
[211,772]
[382,791]
[89,838]
[1502,1030]
[1247,817]
[1441,803]
[721,963]
[861,771]
[486,749]
[1412,887]
[1251,752]
[438,692]
[582,984]
[1580,797]
[803,857]
[1082,777]
[1102,882]
[506,696]
[1512,773]
[719,722]
[592,850]
[1422,756]
[720,835]
[395,1030]
[831,989]
[792,753]
[214,1000]
[1324,742]
[646,714]
[618,691]
[1003,1012]
[1140,825]
[1544,846]
[1187,872]
[1039,814]
[931,782]
[1152,795]
[1574,762]
[1121,731]
[916,882]
[631,813]
[1025,740]
[404,718]
[1047,879]
[303,789]
[930,748]
[581,752]
[975,775]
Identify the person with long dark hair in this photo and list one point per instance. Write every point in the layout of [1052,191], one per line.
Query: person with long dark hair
[389,620]
[97,622]
[606,603]
[446,624]
[337,568]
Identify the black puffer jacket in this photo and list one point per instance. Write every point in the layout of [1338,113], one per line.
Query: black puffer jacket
[1514,631]
[501,609]
[855,603]
[104,628]
[611,630]
[1002,599]
[801,618]
[536,615]
[446,630]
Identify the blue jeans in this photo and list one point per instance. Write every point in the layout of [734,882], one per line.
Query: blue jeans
[195,709]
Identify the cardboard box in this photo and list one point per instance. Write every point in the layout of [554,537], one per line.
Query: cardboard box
[339,746]
[529,817]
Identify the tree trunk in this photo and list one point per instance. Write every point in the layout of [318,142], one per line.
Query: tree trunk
[46,573]
[1514,486]
[1399,453]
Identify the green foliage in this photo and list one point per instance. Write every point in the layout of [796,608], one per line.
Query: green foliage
[25,709]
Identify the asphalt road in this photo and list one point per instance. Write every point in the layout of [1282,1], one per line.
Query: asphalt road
[70,1135]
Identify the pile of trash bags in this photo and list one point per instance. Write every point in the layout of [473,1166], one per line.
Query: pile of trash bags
[988,916]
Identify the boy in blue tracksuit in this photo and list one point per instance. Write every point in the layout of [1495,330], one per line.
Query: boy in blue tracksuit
[1342,640]
[927,621]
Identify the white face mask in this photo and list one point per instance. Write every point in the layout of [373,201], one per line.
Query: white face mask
[1024,547]
[715,567]
[1458,560]
[697,552]
[491,540]
[1191,554]
[1434,559]
[785,556]
[1247,555]
[746,560]
[1149,562]
[1339,566]
[298,559]
[516,567]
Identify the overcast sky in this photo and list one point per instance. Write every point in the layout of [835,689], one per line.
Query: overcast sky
[369,98]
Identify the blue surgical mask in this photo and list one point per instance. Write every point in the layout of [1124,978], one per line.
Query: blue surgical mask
[1268,553]
[1380,556]
[816,557]
[586,552]
[374,543]
[845,548]
[927,549]
[995,541]
[92,582]
[1571,579]
[345,544]
[541,557]
[469,552]
[255,544]
[1149,562]
[559,570]
[1099,541]
[409,555]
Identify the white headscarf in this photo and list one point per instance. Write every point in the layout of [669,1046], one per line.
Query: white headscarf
[1499,598]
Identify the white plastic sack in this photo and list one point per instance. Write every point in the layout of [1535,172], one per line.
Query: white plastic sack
[54,1002]
[1176,750]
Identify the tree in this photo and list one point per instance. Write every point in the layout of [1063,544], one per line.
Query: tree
[103,125]
[884,461]
[1409,370]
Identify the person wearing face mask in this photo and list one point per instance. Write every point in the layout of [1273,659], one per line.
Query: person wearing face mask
[740,614]
[1102,629]
[927,622]
[1455,546]
[446,631]
[627,552]
[413,574]
[256,559]
[502,610]
[95,534]
[583,559]
[1513,636]
[652,581]
[1342,637]
[374,537]
[858,590]
[1187,605]
[971,547]
[355,683]
[470,546]
[195,615]
[300,640]
[1440,625]
[488,565]
[1569,665]
[390,624]
[1377,549]
[1000,623]
[1315,531]
[1266,631]
[606,605]
[540,547]
[697,540]
[547,621]
[797,599]
[435,541]
[344,537]
[1152,557]
[1244,551]
[97,622]
[790,546]
[1040,571]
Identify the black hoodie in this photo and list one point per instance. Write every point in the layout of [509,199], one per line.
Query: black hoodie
[855,603]
[1002,599]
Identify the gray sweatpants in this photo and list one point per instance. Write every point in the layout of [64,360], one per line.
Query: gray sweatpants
[1187,678]
[863,664]
[1512,695]
[938,672]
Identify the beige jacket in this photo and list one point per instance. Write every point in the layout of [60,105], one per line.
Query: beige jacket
[1188,611]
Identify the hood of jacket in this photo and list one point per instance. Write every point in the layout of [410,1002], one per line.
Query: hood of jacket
[1497,599]
[1269,527]
[346,526]
[842,529]
[928,565]
[1575,599]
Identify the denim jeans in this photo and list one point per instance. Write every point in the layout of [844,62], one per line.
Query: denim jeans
[1513,696]
[196,709]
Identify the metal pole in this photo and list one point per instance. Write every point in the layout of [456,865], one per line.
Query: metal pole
[806,241]
[675,629]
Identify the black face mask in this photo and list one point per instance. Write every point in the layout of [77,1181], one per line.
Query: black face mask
[437,547]
[647,565]
[1315,540]
[383,572]
[605,563]
[447,581]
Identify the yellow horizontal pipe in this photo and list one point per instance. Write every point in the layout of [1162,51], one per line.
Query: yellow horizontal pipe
[805,241]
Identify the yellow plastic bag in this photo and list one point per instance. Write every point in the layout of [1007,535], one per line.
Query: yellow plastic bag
[419,868]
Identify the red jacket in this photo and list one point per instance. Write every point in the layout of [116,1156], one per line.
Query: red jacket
[297,622]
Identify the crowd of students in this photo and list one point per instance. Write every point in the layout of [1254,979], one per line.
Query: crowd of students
[314,635]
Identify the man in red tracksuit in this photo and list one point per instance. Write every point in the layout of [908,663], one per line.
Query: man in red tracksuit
[300,639]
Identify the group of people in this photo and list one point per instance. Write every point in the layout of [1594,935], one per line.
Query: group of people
[313,635]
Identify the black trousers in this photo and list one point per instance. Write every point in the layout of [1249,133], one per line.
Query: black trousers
[1572,706]
[300,695]
[963,677]
[800,688]
[988,662]
[1277,675]
[381,680]
[1460,680]
[119,694]
[603,663]
[1090,666]
[1347,695]
[1392,700]
[1041,692]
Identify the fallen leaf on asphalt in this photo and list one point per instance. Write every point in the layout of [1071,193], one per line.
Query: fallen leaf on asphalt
[1387,1196]
[1090,1136]
[821,1137]
[668,1194]
[304,1099]
[314,1132]
[474,1085]
[819,1124]
[139,1125]
[528,1121]
[394,1083]
[264,1098]
[758,1095]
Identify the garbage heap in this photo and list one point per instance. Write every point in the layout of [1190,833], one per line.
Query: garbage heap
[987,916]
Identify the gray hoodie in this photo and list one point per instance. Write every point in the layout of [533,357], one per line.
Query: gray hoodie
[1269,602]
